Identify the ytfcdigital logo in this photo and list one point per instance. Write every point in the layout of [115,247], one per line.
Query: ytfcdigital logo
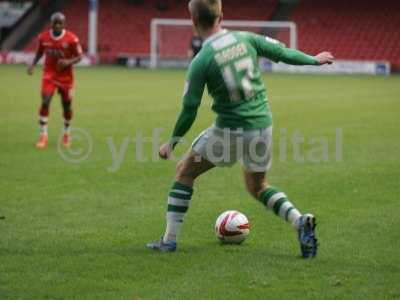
[292,146]
[80,149]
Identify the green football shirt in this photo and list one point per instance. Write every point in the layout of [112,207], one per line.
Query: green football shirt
[228,65]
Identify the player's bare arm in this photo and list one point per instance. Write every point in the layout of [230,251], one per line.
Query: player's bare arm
[31,66]
[184,123]
[166,150]
[324,58]
[64,63]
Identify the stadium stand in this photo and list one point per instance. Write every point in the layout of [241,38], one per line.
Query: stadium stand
[351,29]
[356,29]
[77,20]
[125,27]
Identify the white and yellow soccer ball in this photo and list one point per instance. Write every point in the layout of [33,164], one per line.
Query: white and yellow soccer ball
[232,227]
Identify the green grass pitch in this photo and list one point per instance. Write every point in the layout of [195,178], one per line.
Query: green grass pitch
[78,230]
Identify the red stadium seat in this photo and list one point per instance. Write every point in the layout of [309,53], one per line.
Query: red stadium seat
[351,29]
[125,28]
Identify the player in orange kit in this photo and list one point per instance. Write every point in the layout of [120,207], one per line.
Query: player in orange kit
[62,50]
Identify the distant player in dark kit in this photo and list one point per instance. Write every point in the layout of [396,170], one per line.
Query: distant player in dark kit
[196,43]
[62,50]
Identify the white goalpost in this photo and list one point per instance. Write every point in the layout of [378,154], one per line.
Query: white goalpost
[169,38]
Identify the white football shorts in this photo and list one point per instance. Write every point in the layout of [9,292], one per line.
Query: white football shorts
[224,147]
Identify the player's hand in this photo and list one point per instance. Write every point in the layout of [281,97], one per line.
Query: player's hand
[30,69]
[165,151]
[62,63]
[324,58]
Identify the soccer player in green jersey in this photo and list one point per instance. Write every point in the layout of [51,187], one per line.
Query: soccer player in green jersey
[228,65]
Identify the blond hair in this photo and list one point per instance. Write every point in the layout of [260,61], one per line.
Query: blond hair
[206,12]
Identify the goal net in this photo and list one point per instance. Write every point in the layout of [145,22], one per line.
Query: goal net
[170,38]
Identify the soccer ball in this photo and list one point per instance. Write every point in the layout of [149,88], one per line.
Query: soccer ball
[232,227]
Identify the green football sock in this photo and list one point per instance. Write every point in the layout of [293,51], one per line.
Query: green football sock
[178,204]
[277,201]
